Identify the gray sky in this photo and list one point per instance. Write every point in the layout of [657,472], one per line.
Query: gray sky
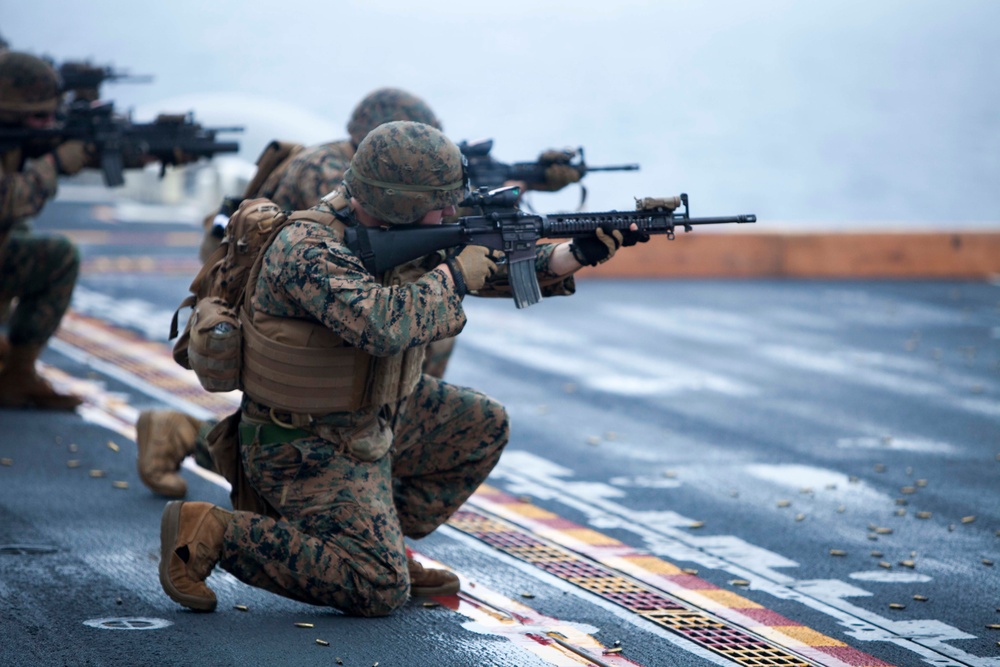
[811,113]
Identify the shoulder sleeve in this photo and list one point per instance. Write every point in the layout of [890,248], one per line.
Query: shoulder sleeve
[310,176]
[24,193]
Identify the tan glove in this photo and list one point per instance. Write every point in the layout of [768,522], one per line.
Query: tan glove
[471,268]
[597,249]
[559,173]
[73,155]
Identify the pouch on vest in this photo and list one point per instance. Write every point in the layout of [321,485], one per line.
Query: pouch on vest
[216,292]
[215,345]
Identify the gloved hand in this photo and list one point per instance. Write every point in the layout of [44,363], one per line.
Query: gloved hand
[471,268]
[73,155]
[559,173]
[599,248]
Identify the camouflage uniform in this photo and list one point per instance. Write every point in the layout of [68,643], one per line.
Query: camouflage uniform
[339,541]
[39,272]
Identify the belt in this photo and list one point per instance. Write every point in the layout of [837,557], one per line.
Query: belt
[270,434]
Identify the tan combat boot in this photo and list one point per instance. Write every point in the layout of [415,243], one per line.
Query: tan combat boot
[428,582]
[22,387]
[165,438]
[190,546]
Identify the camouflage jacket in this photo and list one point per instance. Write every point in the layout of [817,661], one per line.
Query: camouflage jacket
[307,273]
[23,193]
[313,173]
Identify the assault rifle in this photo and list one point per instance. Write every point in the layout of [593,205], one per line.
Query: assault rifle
[486,171]
[501,226]
[121,143]
[84,79]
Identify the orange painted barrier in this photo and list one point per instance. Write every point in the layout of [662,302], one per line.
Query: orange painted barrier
[947,255]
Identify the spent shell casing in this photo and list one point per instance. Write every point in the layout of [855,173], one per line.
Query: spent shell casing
[73,463]
[322,642]
[241,607]
[896,605]
[73,447]
[876,554]
[902,501]
[303,625]
[924,515]
[97,473]
[612,651]
[886,565]
[993,626]
[527,595]
[6,462]
[120,484]
[900,512]
[113,446]
[987,562]
[784,503]
[431,605]
[921,482]
[740,582]
[968,519]
[837,552]
[883,531]
[697,524]
[800,517]
[908,489]
[908,563]
[689,570]
[921,598]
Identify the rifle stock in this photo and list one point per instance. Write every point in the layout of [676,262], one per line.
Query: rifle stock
[502,227]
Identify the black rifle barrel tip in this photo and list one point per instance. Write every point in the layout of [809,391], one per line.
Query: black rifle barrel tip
[750,218]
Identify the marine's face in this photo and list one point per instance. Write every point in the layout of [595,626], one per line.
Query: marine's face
[42,120]
[435,217]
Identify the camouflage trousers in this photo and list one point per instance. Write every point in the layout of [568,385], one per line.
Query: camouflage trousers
[40,272]
[339,542]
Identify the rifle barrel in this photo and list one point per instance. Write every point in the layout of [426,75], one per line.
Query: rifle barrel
[616,167]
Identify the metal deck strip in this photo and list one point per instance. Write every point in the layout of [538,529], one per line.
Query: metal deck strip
[718,620]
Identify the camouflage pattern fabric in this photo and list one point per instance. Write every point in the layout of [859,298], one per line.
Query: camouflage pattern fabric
[339,542]
[41,272]
[23,193]
[313,173]
[27,84]
[308,274]
[386,105]
[403,170]
[340,539]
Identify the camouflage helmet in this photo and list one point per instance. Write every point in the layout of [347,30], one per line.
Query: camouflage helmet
[27,85]
[385,105]
[403,170]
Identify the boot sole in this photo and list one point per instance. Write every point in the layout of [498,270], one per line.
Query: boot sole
[142,430]
[169,527]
